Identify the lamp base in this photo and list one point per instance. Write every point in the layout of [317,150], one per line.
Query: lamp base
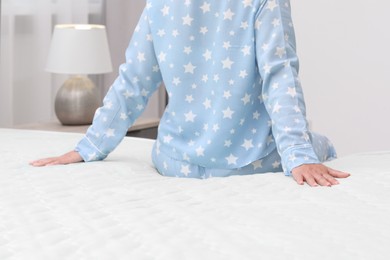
[76,101]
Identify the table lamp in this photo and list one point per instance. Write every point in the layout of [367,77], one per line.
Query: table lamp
[78,50]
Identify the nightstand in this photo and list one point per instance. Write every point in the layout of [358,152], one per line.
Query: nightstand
[143,127]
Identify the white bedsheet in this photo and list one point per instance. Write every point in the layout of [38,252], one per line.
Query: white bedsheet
[122,209]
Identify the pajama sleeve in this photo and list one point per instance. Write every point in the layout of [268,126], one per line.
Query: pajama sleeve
[138,78]
[282,93]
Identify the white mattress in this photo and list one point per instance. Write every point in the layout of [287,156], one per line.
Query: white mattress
[122,209]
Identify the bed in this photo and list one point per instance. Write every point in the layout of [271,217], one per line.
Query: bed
[121,208]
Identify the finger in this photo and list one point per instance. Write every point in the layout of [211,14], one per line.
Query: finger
[331,179]
[310,180]
[59,160]
[323,180]
[42,162]
[298,178]
[338,174]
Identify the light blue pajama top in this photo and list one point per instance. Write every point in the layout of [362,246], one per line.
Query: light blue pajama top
[231,72]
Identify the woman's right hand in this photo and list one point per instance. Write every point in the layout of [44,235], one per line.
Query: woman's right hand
[70,157]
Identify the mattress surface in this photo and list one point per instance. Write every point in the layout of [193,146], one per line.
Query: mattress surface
[121,208]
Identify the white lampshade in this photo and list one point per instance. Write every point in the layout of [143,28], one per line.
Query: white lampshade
[79,49]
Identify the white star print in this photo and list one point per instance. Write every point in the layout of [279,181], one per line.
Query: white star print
[228,143]
[176,81]
[187,20]
[243,74]
[258,24]
[207,55]
[175,33]
[267,69]
[276,108]
[141,56]
[246,99]
[203,30]
[167,139]
[228,15]
[185,169]
[227,63]
[292,158]
[305,136]
[189,68]
[135,80]
[257,164]
[165,10]
[128,94]
[231,159]
[205,7]
[110,132]
[272,5]
[244,25]
[292,92]
[270,139]
[205,78]
[276,164]
[276,22]
[200,151]
[247,144]
[161,32]
[189,98]
[144,93]
[162,56]
[190,116]
[246,50]
[247,3]
[226,45]
[228,113]
[297,109]
[187,50]
[280,52]
[123,116]
[207,103]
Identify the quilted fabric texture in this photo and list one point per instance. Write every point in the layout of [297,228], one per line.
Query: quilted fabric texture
[121,208]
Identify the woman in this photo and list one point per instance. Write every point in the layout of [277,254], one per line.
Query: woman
[235,102]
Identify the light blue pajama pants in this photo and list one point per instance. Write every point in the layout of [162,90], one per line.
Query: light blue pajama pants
[167,166]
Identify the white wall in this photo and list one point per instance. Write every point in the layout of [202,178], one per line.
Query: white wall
[344,49]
